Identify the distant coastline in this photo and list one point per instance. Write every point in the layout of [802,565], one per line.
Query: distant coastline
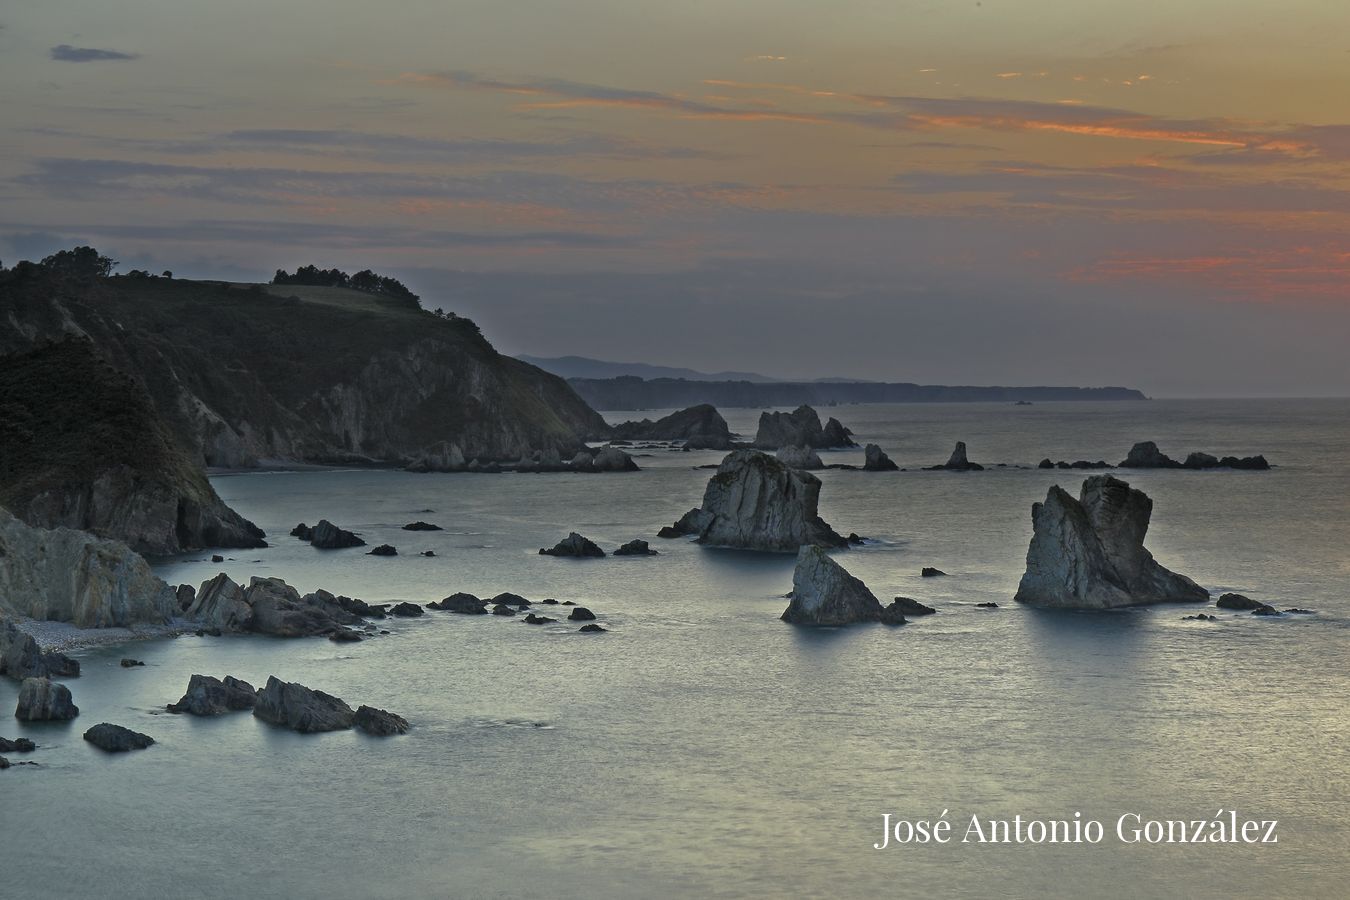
[631,392]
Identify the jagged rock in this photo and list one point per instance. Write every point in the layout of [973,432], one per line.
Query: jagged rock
[327,536]
[691,523]
[930,572]
[303,532]
[421,526]
[360,608]
[636,547]
[442,456]
[18,745]
[501,609]
[1089,553]
[800,428]
[1201,617]
[220,604]
[855,539]
[581,614]
[573,545]
[756,502]
[957,462]
[21,657]
[824,593]
[131,663]
[911,607]
[511,599]
[549,602]
[1257,463]
[612,459]
[532,619]
[1146,455]
[279,610]
[1297,611]
[799,458]
[699,427]
[461,602]
[379,722]
[71,576]
[41,700]
[592,628]
[89,451]
[301,709]
[1045,464]
[208,696]
[116,739]
[407,610]
[186,595]
[384,550]
[1237,601]
[875,460]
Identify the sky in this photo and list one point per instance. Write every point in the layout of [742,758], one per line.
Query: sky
[1147,194]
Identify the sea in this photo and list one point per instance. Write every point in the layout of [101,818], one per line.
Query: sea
[704,748]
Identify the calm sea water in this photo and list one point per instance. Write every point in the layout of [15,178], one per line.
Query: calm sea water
[703,747]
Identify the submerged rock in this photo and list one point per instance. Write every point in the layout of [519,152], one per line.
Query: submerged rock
[799,458]
[379,722]
[116,739]
[301,709]
[421,526]
[987,605]
[327,536]
[824,593]
[208,696]
[42,700]
[592,628]
[532,619]
[131,663]
[755,502]
[876,460]
[573,545]
[384,550]
[1089,553]
[957,462]
[636,547]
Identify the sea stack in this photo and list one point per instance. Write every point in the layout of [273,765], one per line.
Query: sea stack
[800,428]
[1089,553]
[824,593]
[876,460]
[957,462]
[756,502]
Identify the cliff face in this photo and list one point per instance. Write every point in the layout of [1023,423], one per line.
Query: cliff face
[82,446]
[327,375]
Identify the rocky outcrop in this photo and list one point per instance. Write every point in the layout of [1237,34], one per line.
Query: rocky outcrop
[1047,463]
[43,700]
[876,460]
[301,709]
[384,550]
[18,745]
[1088,553]
[208,696]
[442,456]
[910,607]
[573,545]
[581,614]
[271,606]
[327,536]
[116,739]
[72,576]
[407,610]
[612,459]
[698,427]
[755,502]
[800,428]
[957,462]
[379,722]
[1146,455]
[691,523]
[466,604]
[220,605]
[21,657]
[421,526]
[824,593]
[1243,604]
[636,547]
[803,458]
[83,446]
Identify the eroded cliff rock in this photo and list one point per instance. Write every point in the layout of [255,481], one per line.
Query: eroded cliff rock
[824,593]
[876,460]
[800,428]
[756,502]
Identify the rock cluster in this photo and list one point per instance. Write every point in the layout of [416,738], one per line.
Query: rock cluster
[208,696]
[326,536]
[1047,463]
[824,593]
[698,427]
[800,428]
[876,460]
[1146,455]
[635,547]
[573,545]
[1088,553]
[271,606]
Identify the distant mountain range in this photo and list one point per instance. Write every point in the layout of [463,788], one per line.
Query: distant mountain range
[583,367]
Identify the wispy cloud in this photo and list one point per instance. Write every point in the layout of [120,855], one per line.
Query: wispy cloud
[67,53]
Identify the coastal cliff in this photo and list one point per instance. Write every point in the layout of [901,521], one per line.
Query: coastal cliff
[243,373]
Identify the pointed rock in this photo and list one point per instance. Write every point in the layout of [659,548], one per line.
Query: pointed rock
[824,593]
[875,460]
[208,696]
[573,545]
[301,709]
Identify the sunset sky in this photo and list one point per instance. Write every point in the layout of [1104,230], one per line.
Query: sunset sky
[1146,194]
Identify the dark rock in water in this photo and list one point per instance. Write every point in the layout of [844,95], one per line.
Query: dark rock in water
[606,459]
[855,539]
[1297,611]
[573,545]
[1200,461]
[581,614]
[384,550]
[461,602]
[1089,553]
[42,700]
[930,572]
[131,663]
[21,657]
[1146,455]
[217,558]
[699,427]
[1201,617]
[362,608]
[911,607]
[824,593]
[428,553]
[532,619]
[988,605]
[669,531]
[421,526]
[407,610]
[501,609]
[1045,464]
[635,547]
[1237,601]
[549,602]
[1257,463]
[208,696]
[1076,464]
[345,636]
[510,599]
[269,606]
[1264,610]
[755,502]
[800,428]
[957,462]
[592,628]
[18,745]
[569,603]
[303,532]
[187,595]
[875,460]
[379,722]
[799,458]
[327,536]
[691,523]
[301,709]
[116,739]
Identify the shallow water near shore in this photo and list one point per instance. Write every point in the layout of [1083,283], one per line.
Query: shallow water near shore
[703,747]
